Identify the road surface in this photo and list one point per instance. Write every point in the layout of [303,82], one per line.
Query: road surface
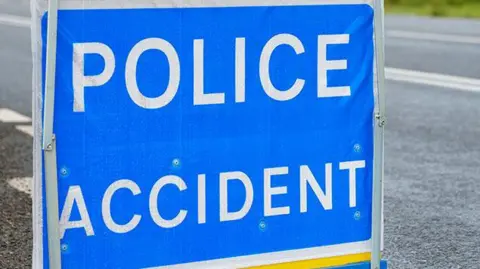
[432,185]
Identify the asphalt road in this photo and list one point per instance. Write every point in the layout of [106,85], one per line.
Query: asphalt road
[432,185]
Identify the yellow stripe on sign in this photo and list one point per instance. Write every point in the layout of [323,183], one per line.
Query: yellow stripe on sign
[319,263]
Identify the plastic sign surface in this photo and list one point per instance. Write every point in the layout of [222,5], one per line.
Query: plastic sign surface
[213,135]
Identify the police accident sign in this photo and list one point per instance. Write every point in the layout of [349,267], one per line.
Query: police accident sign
[205,134]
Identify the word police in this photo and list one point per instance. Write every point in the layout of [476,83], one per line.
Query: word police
[81,81]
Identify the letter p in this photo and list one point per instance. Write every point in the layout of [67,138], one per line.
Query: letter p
[80,81]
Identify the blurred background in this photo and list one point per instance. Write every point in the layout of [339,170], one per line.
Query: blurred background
[459,8]
[432,143]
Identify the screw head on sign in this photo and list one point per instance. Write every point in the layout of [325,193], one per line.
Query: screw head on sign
[64,171]
[64,247]
[176,162]
[357,215]
[357,148]
[262,225]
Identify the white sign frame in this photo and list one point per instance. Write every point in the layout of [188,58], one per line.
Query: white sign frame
[44,138]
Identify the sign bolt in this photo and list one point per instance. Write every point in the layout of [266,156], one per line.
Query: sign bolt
[64,247]
[357,215]
[262,225]
[357,148]
[381,120]
[176,162]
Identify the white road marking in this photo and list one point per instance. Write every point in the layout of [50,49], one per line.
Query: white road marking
[27,129]
[10,116]
[23,124]
[23,184]
[13,20]
[448,38]
[433,79]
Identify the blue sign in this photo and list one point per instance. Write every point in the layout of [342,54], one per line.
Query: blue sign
[213,136]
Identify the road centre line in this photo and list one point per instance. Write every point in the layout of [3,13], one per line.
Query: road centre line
[447,38]
[433,79]
[12,20]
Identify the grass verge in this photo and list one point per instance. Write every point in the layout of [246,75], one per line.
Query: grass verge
[468,10]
